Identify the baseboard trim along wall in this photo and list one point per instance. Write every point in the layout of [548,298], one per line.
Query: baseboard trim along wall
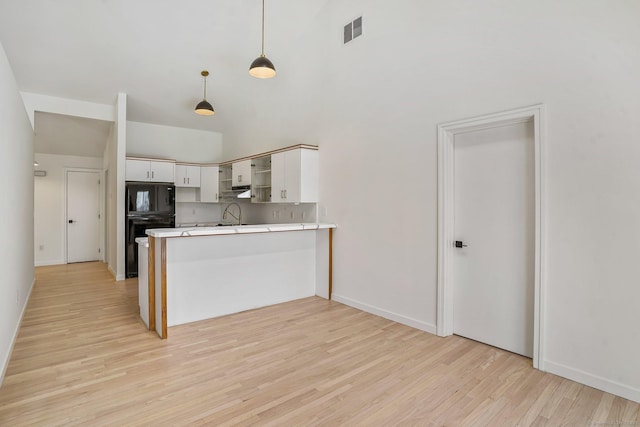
[594,381]
[5,365]
[45,263]
[414,323]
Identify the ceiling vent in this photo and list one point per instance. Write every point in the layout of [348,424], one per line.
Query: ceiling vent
[352,30]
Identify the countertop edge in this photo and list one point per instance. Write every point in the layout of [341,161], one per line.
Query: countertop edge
[242,229]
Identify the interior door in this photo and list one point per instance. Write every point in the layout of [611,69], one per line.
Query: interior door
[494,229]
[83,216]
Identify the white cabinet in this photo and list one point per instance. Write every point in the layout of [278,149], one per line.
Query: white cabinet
[149,170]
[294,176]
[261,180]
[187,176]
[241,173]
[209,180]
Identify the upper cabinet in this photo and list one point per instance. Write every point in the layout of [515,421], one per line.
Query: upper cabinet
[294,176]
[209,181]
[187,175]
[225,194]
[241,173]
[261,179]
[149,170]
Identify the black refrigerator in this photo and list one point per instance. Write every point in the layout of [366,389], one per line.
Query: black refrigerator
[149,205]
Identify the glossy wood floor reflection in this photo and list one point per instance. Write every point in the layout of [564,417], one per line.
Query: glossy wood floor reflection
[84,358]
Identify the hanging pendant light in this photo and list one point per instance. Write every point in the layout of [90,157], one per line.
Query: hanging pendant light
[204,108]
[261,67]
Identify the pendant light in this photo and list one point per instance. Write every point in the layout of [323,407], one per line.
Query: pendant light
[261,67]
[204,108]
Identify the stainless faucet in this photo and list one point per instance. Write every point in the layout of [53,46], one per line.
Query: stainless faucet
[227,211]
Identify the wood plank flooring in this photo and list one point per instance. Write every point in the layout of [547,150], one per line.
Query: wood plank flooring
[84,358]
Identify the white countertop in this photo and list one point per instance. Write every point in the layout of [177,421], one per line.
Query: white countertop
[238,229]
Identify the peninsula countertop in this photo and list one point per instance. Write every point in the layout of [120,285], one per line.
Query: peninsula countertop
[235,229]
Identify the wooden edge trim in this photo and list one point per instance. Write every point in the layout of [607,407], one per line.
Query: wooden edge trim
[330,262]
[228,162]
[163,267]
[268,153]
[153,159]
[151,278]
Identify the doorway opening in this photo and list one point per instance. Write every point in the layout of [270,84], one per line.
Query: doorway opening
[446,214]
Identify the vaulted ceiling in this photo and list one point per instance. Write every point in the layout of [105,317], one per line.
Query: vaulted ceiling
[153,50]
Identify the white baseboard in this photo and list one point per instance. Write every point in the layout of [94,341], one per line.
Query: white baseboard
[594,381]
[52,262]
[15,333]
[414,323]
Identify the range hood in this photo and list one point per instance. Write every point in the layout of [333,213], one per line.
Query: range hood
[241,191]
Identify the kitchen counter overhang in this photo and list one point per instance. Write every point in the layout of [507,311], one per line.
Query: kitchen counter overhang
[197,273]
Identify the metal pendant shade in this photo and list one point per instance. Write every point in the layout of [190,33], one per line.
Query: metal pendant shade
[204,108]
[262,67]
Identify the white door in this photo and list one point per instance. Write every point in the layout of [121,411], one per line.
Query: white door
[493,292]
[83,216]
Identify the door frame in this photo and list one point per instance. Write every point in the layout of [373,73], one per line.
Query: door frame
[446,135]
[101,205]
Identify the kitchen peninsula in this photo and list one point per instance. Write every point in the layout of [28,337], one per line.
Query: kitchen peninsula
[197,273]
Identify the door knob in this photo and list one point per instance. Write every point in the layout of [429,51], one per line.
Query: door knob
[459,244]
[71,221]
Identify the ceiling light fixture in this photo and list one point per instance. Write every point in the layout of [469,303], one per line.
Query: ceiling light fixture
[204,108]
[261,67]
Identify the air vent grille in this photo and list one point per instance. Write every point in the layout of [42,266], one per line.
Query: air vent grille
[352,30]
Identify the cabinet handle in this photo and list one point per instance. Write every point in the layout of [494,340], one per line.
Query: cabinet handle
[188,180]
[147,174]
[239,178]
[216,197]
[152,174]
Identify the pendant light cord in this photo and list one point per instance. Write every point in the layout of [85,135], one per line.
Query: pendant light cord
[205,87]
[262,27]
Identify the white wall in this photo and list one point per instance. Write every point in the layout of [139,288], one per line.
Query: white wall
[183,145]
[119,170]
[49,205]
[110,166]
[373,110]
[16,181]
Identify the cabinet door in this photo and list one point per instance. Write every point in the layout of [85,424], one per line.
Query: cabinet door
[209,177]
[241,173]
[181,175]
[162,171]
[137,170]
[193,176]
[187,176]
[292,189]
[278,164]
[308,179]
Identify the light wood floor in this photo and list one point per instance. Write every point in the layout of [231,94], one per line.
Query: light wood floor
[84,358]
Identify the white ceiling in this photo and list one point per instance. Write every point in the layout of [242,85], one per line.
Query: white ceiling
[67,135]
[153,50]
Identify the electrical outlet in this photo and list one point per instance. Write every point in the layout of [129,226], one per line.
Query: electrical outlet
[277,214]
[325,211]
[274,214]
[303,215]
[292,215]
[193,212]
